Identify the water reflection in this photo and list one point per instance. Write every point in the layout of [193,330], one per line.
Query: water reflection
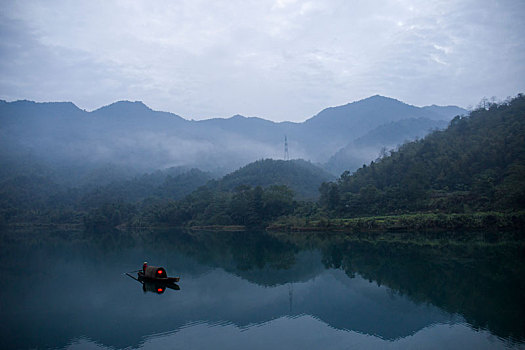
[256,288]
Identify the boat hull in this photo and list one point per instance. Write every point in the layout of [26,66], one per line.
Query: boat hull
[158,279]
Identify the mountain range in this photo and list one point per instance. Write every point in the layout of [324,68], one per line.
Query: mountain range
[133,135]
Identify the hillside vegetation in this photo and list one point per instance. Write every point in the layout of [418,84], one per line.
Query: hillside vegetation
[254,195]
[32,193]
[375,142]
[476,164]
[301,176]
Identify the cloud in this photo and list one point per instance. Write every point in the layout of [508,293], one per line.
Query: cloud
[281,60]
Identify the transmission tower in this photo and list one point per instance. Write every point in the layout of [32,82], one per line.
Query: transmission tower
[286,154]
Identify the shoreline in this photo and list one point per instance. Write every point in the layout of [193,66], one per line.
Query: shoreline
[478,221]
[493,221]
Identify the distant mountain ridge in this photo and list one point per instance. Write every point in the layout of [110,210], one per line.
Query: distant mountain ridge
[128,132]
[445,111]
[383,139]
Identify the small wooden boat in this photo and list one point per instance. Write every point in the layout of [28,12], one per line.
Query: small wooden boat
[154,279]
[156,274]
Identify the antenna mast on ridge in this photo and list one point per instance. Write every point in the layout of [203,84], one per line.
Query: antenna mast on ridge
[286,154]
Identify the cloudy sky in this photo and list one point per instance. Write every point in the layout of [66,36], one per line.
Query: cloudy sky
[276,59]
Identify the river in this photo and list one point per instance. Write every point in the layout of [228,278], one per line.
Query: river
[257,290]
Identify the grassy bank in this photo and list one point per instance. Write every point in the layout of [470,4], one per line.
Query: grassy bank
[420,221]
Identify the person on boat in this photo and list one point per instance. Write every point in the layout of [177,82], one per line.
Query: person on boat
[144,267]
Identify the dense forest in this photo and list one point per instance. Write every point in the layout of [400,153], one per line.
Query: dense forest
[255,195]
[35,193]
[474,166]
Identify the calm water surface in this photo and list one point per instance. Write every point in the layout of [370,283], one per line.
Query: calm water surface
[252,290]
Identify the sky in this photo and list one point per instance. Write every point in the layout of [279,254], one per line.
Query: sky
[274,59]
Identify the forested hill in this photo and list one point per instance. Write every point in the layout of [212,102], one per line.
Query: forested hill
[476,164]
[254,195]
[301,176]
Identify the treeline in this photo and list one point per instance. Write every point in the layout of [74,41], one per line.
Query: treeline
[245,205]
[32,192]
[249,196]
[253,196]
[476,164]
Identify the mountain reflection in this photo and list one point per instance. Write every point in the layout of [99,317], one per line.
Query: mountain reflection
[382,288]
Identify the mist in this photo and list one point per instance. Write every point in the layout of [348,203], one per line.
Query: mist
[134,137]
